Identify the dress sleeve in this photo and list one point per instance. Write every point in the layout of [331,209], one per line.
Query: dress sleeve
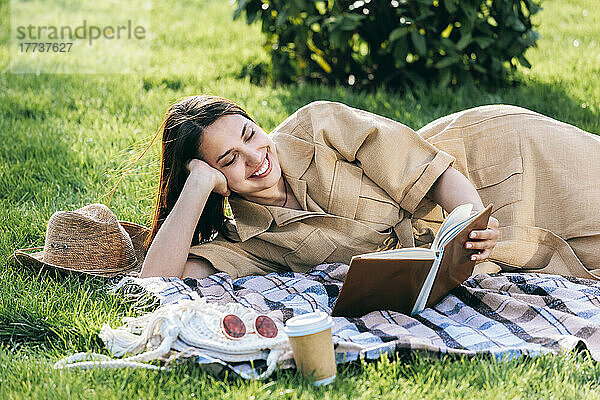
[391,154]
[231,258]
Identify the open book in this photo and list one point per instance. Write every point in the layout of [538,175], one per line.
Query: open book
[409,279]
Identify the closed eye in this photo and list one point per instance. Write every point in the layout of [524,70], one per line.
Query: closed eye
[235,156]
[230,162]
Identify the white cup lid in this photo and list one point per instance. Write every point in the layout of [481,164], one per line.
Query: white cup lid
[306,324]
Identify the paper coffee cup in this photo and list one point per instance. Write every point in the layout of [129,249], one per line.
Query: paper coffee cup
[310,338]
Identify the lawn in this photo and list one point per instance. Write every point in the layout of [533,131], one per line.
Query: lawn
[65,139]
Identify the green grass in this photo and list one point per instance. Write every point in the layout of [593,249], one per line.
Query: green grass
[65,138]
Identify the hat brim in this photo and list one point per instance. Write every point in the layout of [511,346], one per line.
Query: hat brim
[33,256]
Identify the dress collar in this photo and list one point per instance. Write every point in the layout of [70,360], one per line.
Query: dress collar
[295,155]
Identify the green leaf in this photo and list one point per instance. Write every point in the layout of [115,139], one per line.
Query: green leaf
[479,68]
[496,64]
[312,19]
[419,42]
[532,6]
[505,40]
[523,61]
[444,78]
[424,15]
[398,33]
[252,11]
[338,39]
[350,22]
[448,45]
[519,26]
[464,41]
[281,18]
[400,51]
[513,22]
[450,6]
[321,61]
[484,28]
[483,41]
[239,9]
[447,61]
[469,11]
[530,38]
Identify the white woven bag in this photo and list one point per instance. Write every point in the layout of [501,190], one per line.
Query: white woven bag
[187,327]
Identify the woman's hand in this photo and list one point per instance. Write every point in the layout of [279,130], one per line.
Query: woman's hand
[202,168]
[484,239]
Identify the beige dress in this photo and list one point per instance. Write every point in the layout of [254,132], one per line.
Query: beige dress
[361,179]
[543,177]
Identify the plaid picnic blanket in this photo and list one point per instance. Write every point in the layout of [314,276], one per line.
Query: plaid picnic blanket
[504,315]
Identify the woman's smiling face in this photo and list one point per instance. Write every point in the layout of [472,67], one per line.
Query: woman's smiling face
[238,148]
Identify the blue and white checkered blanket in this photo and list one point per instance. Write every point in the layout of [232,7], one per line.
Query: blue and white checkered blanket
[504,315]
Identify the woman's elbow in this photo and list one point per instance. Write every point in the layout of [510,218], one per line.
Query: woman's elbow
[193,268]
[198,268]
[150,270]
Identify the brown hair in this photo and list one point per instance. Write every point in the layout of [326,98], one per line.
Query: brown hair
[182,129]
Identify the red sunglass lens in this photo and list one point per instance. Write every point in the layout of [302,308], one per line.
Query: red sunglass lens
[265,326]
[233,326]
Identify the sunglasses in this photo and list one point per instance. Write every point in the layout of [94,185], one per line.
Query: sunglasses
[234,328]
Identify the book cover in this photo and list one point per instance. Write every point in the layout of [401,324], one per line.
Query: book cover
[409,279]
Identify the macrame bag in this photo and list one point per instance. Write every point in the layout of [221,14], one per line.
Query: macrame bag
[182,329]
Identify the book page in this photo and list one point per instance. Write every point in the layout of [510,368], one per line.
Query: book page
[427,285]
[455,230]
[449,235]
[415,253]
[444,239]
[457,215]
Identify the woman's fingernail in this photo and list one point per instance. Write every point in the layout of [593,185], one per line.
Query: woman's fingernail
[473,257]
[473,234]
[469,245]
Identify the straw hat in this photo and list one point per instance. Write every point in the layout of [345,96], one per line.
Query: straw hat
[89,240]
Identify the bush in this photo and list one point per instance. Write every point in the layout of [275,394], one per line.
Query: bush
[394,43]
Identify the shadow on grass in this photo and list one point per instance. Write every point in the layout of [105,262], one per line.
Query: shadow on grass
[418,106]
[43,316]
[402,365]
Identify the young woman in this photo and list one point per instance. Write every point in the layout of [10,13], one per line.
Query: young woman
[332,181]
